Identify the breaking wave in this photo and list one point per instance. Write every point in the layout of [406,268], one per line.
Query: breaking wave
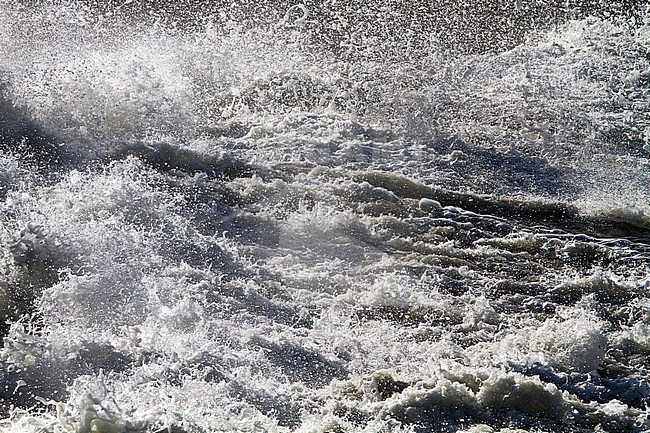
[324,216]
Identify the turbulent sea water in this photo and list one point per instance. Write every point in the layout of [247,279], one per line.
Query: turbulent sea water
[337,216]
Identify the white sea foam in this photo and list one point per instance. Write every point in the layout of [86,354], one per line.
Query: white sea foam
[242,228]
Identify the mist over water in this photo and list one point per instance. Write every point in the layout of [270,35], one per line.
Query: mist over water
[324,216]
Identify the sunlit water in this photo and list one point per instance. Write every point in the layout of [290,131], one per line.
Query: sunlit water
[323,218]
